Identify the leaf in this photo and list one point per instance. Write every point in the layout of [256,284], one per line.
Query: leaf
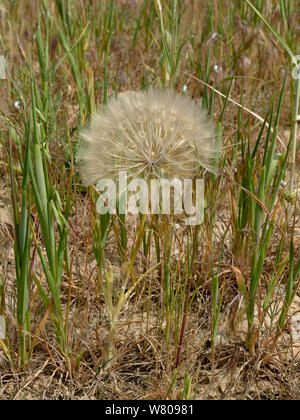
[279,38]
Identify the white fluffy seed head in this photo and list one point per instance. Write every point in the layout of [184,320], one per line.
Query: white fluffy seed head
[153,133]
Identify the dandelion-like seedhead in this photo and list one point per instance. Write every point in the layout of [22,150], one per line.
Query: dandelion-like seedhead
[156,133]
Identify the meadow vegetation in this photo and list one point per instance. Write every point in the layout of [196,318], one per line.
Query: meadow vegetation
[115,307]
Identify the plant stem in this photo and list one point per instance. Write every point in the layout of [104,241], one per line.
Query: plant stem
[294,134]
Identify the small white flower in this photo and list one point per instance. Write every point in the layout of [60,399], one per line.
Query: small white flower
[17,105]
[185,88]
[216,68]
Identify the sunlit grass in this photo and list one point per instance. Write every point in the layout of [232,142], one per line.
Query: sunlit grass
[101,296]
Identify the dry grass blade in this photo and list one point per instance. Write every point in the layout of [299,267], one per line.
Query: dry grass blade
[254,114]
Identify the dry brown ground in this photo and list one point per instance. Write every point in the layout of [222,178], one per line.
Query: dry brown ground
[143,367]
